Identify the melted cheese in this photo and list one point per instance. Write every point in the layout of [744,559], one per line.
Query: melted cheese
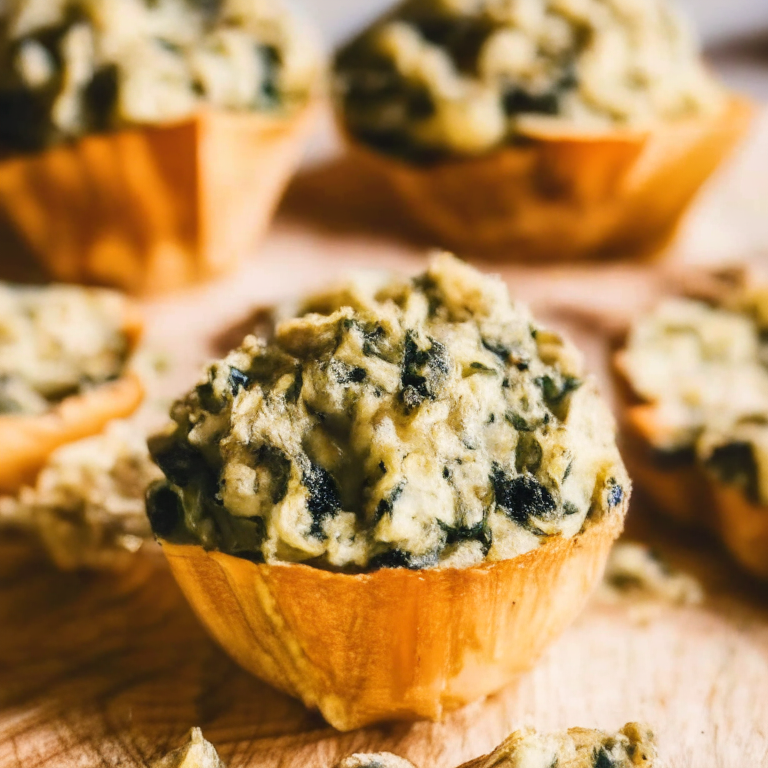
[418,423]
[90,65]
[464,76]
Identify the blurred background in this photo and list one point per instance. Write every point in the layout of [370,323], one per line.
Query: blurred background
[718,20]
[735,32]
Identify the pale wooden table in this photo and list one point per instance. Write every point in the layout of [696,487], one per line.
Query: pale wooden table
[99,670]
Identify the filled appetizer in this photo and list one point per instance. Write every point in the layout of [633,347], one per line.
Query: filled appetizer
[696,414]
[145,143]
[65,371]
[405,494]
[552,129]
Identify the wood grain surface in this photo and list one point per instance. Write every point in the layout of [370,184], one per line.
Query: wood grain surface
[112,670]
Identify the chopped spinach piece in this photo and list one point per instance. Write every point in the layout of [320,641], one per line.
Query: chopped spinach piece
[615,494]
[293,392]
[502,351]
[164,509]
[206,393]
[602,759]
[556,390]
[238,380]
[528,454]
[517,100]
[569,508]
[385,506]
[461,533]
[346,374]
[324,499]
[423,371]
[522,497]
[735,463]
[100,96]
[279,466]
[397,558]
[181,463]
[518,422]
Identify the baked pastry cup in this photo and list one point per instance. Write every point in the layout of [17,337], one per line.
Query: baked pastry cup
[395,644]
[561,196]
[685,491]
[391,507]
[154,208]
[26,441]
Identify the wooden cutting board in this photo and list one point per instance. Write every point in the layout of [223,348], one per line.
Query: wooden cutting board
[112,670]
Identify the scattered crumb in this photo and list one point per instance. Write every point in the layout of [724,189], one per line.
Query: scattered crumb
[376,760]
[196,753]
[637,574]
[633,746]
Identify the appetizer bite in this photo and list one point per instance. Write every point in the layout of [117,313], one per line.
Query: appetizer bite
[87,506]
[64,355]
[146,143]
[696,415]
[634,746]
[547,129]
[196,753]
[392,506]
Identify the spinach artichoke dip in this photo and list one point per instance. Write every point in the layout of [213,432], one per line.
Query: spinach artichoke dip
[703,369]
[634,746]
[415,423]
[57,341]
[461,77]
[72,67]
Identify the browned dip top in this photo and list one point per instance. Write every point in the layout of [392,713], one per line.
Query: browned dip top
[71,68]
[461,77]
[57,341]
[426,422]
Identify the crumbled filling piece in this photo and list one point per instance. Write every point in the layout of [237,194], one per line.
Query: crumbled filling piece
[633,746]
[87,506]
[71,67]
[374,760]
[57,341]
[461,77]
[703,370]
[196,753]
[414,423]
[635,570]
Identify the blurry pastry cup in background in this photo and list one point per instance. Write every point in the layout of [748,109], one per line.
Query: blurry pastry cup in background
[695,414]
[392,506]
[64,371]
[86,506]
[146,145]
[547,130]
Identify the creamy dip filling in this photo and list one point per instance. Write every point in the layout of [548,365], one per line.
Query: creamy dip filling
[632,747]
[55,342]
[704,368]
[71,67]
[437,77]
[414,423]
